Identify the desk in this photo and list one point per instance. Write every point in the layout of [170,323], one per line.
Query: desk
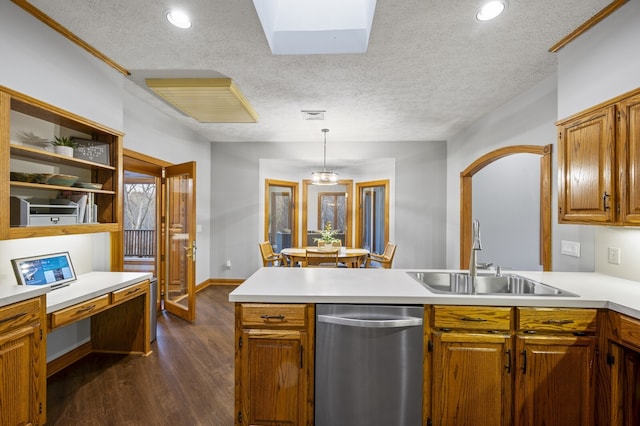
[118,305]
[352,257]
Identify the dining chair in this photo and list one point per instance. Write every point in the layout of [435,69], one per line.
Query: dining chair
[268,256]
[385,259]
[322,258]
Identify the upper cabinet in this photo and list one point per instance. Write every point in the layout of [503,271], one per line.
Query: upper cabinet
[598,158]
[45,192]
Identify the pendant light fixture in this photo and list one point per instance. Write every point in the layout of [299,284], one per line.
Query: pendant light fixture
[325,177]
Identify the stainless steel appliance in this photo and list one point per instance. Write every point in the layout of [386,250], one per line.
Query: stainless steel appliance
[368,365]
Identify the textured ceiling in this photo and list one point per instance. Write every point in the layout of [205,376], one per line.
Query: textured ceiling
[431,69]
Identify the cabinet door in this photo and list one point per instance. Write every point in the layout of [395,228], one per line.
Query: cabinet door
[471,381]
[554,380]
[275,369]
[629,159]
[20,384]
[586,154]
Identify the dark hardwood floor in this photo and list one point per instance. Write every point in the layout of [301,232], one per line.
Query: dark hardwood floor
[187,380]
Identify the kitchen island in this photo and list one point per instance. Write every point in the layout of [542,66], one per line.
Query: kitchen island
[524,349]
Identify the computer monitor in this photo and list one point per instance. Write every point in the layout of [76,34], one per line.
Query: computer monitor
[53,269]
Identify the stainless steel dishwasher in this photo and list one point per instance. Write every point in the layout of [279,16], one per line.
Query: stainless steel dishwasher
[368,365]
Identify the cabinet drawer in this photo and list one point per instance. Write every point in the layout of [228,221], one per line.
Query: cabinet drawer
[472,317]
[557,319]
[629,330]
[78,312]
[129,292]
[19,314]
[272,315]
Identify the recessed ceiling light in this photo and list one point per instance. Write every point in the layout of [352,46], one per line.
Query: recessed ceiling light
[179,18]
[490,10]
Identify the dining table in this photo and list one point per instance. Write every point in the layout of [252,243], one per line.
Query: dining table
[348,256]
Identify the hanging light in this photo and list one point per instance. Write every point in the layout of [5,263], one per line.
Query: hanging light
[325,177]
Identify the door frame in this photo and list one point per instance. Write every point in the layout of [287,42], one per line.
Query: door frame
[359,186]
[466,198]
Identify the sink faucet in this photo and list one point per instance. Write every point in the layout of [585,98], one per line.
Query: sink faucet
[475,246]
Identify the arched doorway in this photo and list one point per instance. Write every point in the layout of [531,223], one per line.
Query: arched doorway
[466,197]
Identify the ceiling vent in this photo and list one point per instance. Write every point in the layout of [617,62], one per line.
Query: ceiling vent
[208,100]
[313,115]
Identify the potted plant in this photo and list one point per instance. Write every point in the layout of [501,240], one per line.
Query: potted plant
[328,237]
[63,145]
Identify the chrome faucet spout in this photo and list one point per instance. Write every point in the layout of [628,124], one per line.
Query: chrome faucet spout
[473,258]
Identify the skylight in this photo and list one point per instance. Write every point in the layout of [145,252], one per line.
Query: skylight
[297,27]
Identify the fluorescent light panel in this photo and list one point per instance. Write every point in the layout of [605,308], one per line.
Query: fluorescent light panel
[208,100]
[295,27]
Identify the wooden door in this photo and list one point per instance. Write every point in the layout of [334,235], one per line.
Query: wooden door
[629,159]
[586,173]
[471,379]
[180,240]
[554,380]
[274,368]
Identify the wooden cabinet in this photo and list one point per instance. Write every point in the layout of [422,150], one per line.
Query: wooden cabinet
[618,402]
[26,125]
[274,364]
[503,366]
[598,158]
[554,369]
[23,363]
[471,356]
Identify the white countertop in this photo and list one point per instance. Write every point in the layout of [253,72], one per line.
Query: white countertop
[90,285]
[394,286]
[13,293]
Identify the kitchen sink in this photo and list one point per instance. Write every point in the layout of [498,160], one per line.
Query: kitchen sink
[461,283]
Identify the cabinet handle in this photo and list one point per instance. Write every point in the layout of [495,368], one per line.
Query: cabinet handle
[524,362]
[558,321]
[604,201]
[133,290]
[15,317]
[86,309]
[508,364]
[473,319]
[272,317]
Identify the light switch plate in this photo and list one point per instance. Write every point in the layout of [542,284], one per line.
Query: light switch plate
[570,248]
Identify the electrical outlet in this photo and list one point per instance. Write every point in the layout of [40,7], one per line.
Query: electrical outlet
[570,248]
[227,265]
[614,255]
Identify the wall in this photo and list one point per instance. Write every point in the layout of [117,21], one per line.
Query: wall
[238,193]
[153,133]
[41,63]
[525,120]
[601,64]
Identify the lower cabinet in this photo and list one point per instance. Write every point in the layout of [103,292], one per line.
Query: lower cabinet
[471,365]
[554,380]
[619,401]
[274,364]
[503,366]
[23,363]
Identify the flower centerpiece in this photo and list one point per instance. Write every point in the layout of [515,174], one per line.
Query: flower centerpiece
[327,236]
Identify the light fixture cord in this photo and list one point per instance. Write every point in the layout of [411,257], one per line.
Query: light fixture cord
[324,162]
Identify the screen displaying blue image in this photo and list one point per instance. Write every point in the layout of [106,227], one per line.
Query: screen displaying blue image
[43,270]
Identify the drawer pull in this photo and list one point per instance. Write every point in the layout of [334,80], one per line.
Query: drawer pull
[272,317]
[133,290]
[473,319]
[558,322]
[86,309]
[15,317]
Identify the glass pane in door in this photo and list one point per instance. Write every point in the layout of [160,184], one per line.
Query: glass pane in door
[280,217]
[180,240]
[140,236]
[373,216]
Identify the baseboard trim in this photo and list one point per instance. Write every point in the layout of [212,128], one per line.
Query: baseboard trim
[218,281]
[69,358]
